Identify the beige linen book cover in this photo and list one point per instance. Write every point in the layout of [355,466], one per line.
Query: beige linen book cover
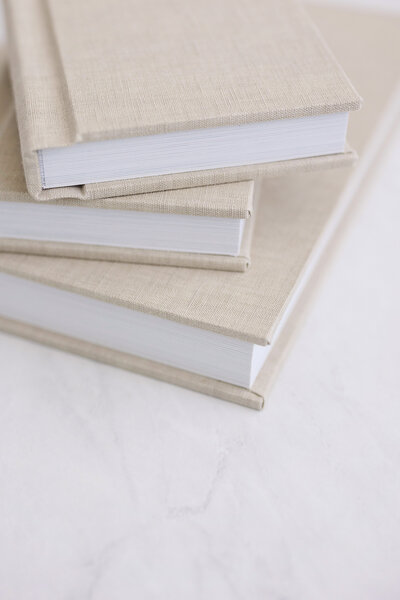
[107,69]
[232,200]
[292,219]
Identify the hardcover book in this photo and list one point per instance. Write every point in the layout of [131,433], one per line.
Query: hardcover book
[223,334]
[120,97]
[204,227]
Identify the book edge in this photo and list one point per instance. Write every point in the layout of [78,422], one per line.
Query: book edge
[129,255]
[190,179]
[197,383]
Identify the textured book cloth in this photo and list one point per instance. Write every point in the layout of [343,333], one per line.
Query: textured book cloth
[231,200]
[104,69]
[292,219]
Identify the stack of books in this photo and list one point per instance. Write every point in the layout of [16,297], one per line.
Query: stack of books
[183,166]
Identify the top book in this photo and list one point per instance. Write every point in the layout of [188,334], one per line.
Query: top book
[133,96]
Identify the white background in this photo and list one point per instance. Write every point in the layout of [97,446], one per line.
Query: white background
[114,486]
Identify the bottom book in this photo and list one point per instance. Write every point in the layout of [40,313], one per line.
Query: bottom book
[223,334]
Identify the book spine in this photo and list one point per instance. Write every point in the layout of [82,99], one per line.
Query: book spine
[44,114]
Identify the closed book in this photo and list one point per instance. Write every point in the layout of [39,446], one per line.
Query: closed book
[223,334]
[118,97]
[205,227]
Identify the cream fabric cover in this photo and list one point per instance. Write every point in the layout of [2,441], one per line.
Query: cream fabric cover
[100,69]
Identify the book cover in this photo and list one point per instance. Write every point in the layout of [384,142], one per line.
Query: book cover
[106,69]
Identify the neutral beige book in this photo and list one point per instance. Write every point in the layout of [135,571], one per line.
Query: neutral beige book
[207,227]
[296,220]
[117,97]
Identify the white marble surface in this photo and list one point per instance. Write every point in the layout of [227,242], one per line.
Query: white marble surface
[114,486]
